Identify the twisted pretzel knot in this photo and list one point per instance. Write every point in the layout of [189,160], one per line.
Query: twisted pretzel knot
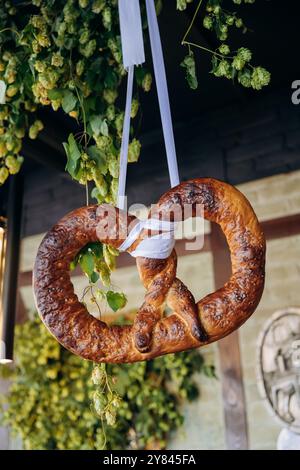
[192,324]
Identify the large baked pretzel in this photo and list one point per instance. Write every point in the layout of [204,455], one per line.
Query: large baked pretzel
[191,324]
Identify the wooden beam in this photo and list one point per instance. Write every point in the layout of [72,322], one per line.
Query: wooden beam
[12,255]
[282,227]
[21,311]
[276,228]
[236,433]
[124,260]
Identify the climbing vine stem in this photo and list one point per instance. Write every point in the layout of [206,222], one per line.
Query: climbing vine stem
[227,63]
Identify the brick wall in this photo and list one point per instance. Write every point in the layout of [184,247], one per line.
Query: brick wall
[240,146]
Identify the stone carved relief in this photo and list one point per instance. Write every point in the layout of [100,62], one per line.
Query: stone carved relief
[279,366]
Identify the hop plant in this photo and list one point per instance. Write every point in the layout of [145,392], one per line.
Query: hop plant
[111,112]
[134,108]
[88,49]
[43,40]
[106,18]
[110,95]
[134,150]
[4,174]
[119,123]
[113,166]
[147,82]
[38,22]
[11,91]
[35,128]
[98,5]
[83,3]
[238,63]
[244,78]
[100,182]
[13,163]
[57,60]
[40,66]
[223,69]
[98,375]
[84,36]
[80,68]
[208,22]
[260,78]
[245,54]
[182,4]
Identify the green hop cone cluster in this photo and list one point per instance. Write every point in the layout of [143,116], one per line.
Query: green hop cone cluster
[98,5]
[48,403]
[4,174]
[147,82]
[238,65]
[223,69]
[134,150]
[35,128]
[225,64]
[106,18]
[56,57]
[83,3]
[242,56]
[260,77]
[105,400]
[134,108]
[220,20]
[190,67]
[57,60]
[224,49]
[110,95]
[13,163]
[182,4]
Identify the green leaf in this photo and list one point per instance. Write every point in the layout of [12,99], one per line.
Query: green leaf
[190,68]
[69,101]
[86,262]
[104,128]
[73,155]
[140,73]
[116,300]
[56,94]
[95,193]
[111,78]
[95,154]
[209,371]
[96,248]
[96,123]
[94,277]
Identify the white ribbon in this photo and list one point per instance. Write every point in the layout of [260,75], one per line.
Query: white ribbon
[162,91]
[131,33]
[2,91]
[125,141]
[158,246]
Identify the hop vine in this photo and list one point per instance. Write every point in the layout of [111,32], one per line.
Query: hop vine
[60,401]
[65,55]
[226,63]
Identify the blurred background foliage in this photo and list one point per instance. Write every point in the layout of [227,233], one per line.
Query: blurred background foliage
[49,400]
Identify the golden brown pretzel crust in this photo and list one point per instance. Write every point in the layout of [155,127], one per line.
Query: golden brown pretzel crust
[192,325]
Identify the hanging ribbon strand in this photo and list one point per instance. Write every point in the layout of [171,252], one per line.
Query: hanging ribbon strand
[131,33]
[162,92]
[133,54]
[125,141]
